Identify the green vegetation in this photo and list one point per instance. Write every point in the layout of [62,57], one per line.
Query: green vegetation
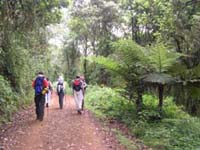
[177,130]
[7,100]
[130,145]
[145,55]
[24,49]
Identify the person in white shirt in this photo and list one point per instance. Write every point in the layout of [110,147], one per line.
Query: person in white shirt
[49,92]
[61,90]
[78,93]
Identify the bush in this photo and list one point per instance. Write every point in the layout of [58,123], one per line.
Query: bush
[170,109]
[8,100]
[177,130]
[173,134]
[106,102]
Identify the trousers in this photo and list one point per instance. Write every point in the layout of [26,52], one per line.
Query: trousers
[78,97]
[39,106]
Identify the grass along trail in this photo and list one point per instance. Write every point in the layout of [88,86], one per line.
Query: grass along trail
[61,129]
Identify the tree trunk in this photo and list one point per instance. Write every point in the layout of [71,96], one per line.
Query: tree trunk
[85,61]
[134,29]
[160,91]
[139,101]
[130,89]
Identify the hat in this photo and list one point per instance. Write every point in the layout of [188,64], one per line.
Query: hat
[60,79]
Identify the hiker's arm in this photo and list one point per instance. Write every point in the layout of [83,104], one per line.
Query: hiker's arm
[45,83]
[33,84]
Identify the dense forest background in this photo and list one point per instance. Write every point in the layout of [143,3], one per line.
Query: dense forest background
[142,49]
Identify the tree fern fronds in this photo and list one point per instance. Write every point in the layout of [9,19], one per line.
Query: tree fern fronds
[108,63]
[161,59]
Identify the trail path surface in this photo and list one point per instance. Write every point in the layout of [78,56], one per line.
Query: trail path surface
[61,129]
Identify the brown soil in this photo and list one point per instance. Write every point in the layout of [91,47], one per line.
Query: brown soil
[61,129]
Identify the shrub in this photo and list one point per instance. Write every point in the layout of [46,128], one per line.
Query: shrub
[170,109]
[177,130]
[106,102]
[8,100]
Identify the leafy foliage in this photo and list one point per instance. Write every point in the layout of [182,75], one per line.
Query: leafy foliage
[8,100]
[105,102]
[161,58]
[23,47]
[109,63]
[177,130]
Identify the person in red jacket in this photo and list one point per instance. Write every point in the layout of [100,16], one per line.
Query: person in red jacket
[40,84]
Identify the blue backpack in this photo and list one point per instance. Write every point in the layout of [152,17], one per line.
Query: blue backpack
[38,85]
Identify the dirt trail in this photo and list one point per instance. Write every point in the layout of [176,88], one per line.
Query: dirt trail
[60,130]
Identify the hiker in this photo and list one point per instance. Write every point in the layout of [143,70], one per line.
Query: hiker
[61,90]
[40,85]
[49,92]
[78,93]
[84,86]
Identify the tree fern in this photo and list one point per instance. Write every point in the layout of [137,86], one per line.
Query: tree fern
[128,51]
[161,59]
[106,62]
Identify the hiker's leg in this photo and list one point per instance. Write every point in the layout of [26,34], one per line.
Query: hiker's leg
[83,104]
[41,107]
[49,97]
[80,100]
[37,106]
[82,107]
[59,98]
[76,99]
[46,100]
[62,97]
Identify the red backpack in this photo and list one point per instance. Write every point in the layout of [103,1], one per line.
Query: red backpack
[77,85]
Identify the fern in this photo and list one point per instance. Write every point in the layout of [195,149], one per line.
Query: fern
[106,62]
[161,59]
[128,60]
[128,51]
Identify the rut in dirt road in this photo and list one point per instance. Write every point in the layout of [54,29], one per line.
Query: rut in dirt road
[61,129]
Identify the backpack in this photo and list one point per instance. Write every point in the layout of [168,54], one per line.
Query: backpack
[77,85]
[60,87]
[38,85]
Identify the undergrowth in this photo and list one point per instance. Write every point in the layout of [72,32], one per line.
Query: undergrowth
[11,101]
[175,131]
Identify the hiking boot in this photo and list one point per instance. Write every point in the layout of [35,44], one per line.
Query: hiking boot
[79,112]
[40,119]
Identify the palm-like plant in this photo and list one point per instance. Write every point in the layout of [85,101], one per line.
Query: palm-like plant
[128,61]
[160,60]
